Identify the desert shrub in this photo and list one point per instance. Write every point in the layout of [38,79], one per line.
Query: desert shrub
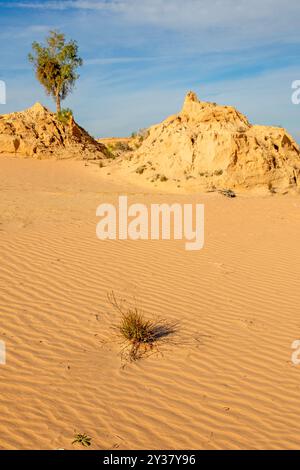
[163,178]
[271,188]
[82,439]
[64,115]
[142,134]
[110,152]
[122,147]
[227,193]
[117,148]
[140,170]
[139,334]
[135,328]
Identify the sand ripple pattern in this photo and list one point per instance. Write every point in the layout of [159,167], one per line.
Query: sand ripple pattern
[224,382]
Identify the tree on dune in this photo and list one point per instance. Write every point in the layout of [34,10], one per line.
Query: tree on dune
[56,64]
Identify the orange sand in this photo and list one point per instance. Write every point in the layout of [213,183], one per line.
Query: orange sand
[225,381]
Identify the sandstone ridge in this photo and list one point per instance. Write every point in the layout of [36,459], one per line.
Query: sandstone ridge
[216,147]
[36,132]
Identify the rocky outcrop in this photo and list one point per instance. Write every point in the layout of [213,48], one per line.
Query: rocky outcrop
[36,132]
[216,147]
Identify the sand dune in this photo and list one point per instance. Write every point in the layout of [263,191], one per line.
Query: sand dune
[225,381]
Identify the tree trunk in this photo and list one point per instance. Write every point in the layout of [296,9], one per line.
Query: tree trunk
[58,105]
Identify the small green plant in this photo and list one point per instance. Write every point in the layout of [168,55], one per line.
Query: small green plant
[82,439]
[140,136]
[122,147]
[110,152]
[117,148]
[139,334]
[65,115]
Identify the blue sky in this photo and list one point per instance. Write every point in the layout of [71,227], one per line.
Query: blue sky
[142,56]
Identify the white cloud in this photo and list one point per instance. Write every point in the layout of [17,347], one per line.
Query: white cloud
[200,13]
[15,33]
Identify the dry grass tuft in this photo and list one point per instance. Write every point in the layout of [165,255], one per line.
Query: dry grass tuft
[82,439]
[139,334]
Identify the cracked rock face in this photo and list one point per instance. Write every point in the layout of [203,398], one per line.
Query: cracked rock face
[217,147]
[36,132]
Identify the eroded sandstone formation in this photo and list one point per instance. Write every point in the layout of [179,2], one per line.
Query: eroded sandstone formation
[217,147]
[36,132]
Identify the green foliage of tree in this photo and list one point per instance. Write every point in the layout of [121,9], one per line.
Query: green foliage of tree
[56,65]
[65,115]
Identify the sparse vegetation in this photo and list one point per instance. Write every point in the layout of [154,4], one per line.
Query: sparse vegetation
[64,115]
[142,134]
[158,177]
[118,148]
[139,334]
[110,153]
[163,178]
[82,439]
[228,193]
[271,188]
[122,147]
[140,170]
[139,137]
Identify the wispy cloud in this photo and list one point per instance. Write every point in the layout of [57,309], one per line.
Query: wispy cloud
[175,12]
[64,5]
[229,21]
[118,60]
[15,33]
